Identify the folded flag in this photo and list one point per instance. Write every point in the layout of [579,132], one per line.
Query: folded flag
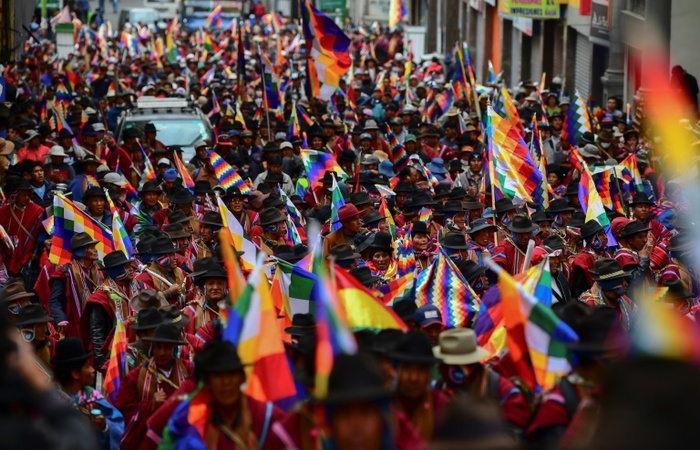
[363,309]
[337,202]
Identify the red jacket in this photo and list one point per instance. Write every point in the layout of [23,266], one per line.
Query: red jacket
[30,220]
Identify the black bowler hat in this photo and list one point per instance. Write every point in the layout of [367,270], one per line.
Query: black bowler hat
[343,252]
[150,186]
[163,245]
[453,206]
[274,177]
[382,241]
[442,190]
[147,297]
[212,218]
[302,325]
[364,276]
[291,254]
[176,231]
[608,269]
[180,195]
[675,287]
[419,227]
[70,351]
[94,191]
[632,228]
[598,328]
[118,259]
[215,270]
[521,223]
[81,240]
[403,186]
[405,309]
[458,193]
[173,316]
[420,199]
[471,270]
[272,201]
[558,205]
[454,240]
[540,217]
[359,198]
[590,229]
[504,205]
[372,216]
[32,314]
[640,199]
[234,191]
[166,334]
[147,319]
[270,216]
[202,187]
[355,379]
[217,356]
[415,347]
[554,242]
[132,132]
[178,216]
[200,267]
[143,246]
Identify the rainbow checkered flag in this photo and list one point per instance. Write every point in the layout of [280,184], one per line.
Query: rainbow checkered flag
[227,175]
[116,366]
[69,220]
[443,285]
[536,337]
[337,202]
[516,176]
[578,120]
[120,237]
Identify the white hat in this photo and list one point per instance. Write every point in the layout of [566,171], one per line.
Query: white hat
[57,150]
[114,178]
[286,144]
[164,161]
[102,168]
[98,126]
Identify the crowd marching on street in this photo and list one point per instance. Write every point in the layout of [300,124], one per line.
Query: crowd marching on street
[354,248]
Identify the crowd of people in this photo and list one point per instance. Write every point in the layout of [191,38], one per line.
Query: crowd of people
[429,385]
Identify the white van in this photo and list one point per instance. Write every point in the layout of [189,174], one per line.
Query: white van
[168,9]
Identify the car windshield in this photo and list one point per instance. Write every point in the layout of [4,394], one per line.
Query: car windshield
[143,16]
[182,132]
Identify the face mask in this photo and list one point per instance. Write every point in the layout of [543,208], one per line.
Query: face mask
[478,285]
[164,261]
[596,243]
[28,334]
[557,220]
[458,374]
[14,309]
[505,220]
[605,144]
[620,290]
[273,228]
[456,258]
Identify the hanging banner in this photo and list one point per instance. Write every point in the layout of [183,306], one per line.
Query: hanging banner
[534,9]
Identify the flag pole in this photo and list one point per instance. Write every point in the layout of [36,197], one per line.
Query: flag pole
[266,105]
[489,136]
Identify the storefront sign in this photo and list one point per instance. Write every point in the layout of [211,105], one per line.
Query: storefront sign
[534,9]
[600,22]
